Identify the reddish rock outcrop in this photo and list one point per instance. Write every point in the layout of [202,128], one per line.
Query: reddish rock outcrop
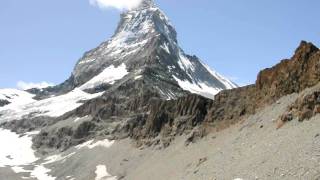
[291,75]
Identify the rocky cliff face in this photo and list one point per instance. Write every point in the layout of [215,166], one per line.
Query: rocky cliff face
[291,75]
[231,106]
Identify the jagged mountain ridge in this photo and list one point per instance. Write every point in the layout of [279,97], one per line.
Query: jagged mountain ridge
[145,41]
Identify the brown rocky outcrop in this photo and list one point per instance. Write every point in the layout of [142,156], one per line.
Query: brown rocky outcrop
[306,106]
[290,75]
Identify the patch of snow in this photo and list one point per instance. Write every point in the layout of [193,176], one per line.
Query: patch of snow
[85,144]
[53,107]
[80,118]
[91,144]
[171,68]
[121,40]
[185,63]
[41,173]
[57,158]
[200,88]
[102,173]
[225,81]
[168,93]
[15,150]
[86,61]
[77,119]
[29,85]
[18,169]
[138,77]
[70,178]
[165,47]
[107,76]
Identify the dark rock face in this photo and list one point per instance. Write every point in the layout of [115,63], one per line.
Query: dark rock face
[231,106]
[60,89]
[171,118]
[27,125]
[64,137]
[3,102]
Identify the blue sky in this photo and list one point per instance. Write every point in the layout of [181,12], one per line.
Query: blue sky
[41,40]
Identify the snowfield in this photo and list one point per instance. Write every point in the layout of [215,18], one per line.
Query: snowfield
[91,144]
[16,96]
[17,154]
[16,150]
[107,76]
[201,88]
[52,107]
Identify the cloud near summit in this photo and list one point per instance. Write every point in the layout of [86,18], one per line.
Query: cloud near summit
[28,85]
[117,4]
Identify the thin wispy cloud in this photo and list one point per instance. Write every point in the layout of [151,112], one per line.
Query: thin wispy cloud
[29,85]
[117,4]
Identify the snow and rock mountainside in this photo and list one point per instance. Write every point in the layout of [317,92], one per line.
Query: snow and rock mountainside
[144,47]
[134,90]
[253,132]
[143,53]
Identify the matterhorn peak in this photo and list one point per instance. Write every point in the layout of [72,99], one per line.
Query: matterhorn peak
[145,40]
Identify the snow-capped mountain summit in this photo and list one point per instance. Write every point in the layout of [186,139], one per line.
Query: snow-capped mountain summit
[143,58]
[145,39]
